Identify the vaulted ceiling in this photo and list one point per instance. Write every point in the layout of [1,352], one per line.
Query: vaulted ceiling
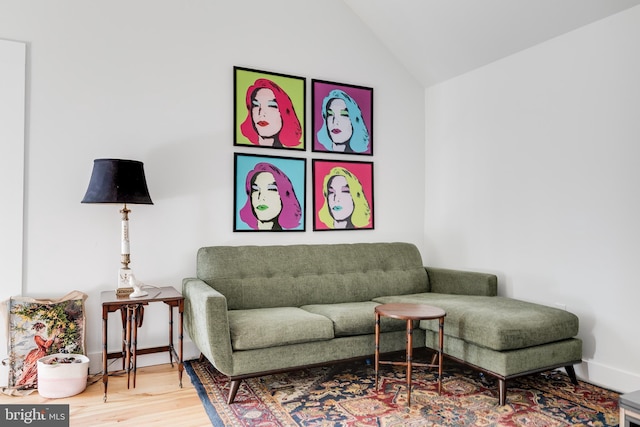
[440,39]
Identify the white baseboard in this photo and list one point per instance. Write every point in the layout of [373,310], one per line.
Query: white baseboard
[607,377]
[589,370]
[190,351]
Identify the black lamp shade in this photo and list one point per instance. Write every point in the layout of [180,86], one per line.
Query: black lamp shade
[117,181]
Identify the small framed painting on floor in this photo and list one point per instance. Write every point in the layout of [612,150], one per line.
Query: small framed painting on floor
[39,327]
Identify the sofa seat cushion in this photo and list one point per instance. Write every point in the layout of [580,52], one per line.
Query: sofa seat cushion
[354,318]
[271,327]
[498,323]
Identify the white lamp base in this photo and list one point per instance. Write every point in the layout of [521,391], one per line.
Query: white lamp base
[125,276]
[126,279]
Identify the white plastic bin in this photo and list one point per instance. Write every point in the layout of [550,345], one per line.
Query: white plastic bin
[56,380]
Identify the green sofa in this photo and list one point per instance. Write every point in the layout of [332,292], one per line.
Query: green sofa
[255,310]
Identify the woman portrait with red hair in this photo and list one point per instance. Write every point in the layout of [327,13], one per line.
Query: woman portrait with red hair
[271,118]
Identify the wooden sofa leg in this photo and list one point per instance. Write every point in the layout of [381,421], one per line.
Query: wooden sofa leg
[502,391]
[572,374]
[233,389]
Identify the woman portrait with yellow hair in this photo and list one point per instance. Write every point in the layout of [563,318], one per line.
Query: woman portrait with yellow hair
[344,201]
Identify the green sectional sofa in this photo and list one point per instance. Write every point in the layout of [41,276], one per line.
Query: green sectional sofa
[255,310]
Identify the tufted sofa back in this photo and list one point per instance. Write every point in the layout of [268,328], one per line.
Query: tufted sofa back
[295,275]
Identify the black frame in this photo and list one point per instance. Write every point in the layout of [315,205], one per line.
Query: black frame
[362,99]
[290,180]
[359,176]
[292,93]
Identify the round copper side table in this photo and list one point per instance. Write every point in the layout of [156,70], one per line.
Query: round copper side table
[410,312]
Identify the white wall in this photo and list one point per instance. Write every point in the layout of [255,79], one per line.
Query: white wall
[532,173]
[12,103]
[152,80]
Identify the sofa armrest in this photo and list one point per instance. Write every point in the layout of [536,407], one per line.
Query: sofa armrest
[207,322]
[445,281]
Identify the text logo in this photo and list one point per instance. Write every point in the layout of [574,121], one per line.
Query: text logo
[34,415]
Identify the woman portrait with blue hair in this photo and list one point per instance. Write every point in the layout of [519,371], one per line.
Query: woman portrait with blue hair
[343,128]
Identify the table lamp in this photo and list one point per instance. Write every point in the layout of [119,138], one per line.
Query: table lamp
[120,181]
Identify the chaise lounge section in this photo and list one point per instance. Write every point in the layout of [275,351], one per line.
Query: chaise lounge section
[256,310]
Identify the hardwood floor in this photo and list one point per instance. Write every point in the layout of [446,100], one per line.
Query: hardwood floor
[157,400]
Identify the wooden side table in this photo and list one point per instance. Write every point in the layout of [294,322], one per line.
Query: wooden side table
[131,312]
[410,312]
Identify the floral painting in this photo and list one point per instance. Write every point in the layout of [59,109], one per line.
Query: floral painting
[38,328]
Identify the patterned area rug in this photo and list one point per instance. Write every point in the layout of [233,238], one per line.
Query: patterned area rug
[345,395]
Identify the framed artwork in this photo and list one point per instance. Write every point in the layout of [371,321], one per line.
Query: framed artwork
[38,328]
[269,109]
[342,195]
[269,193]
[342,118]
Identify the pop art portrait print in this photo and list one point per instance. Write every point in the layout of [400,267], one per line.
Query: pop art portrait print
[342,195]
[269,109]
[342,118]
[269,193]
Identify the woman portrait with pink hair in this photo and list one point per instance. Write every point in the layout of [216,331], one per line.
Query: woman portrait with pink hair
[271,119]
[271,202]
